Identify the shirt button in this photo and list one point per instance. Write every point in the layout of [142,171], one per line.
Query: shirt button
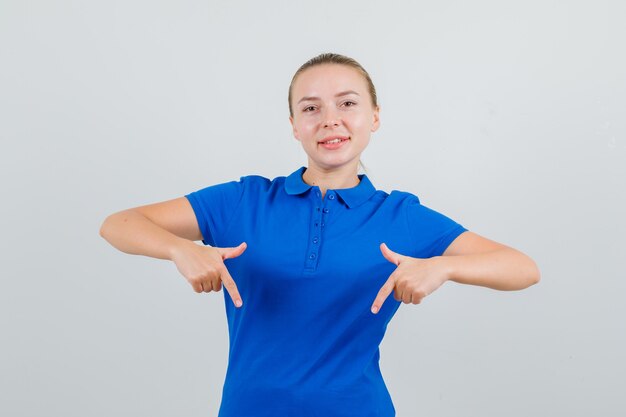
[325,210]
[332,196]
[312,256]
[322,224]
[315,239]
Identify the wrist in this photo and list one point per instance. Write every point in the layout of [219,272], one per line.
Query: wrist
[177,245]
[448,266]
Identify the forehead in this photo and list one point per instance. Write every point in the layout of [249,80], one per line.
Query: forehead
[327,79]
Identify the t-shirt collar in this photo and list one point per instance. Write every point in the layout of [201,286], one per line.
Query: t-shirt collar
[360,193]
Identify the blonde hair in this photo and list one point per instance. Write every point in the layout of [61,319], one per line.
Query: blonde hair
[332,58]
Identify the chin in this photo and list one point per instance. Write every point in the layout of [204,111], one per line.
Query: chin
[334,164]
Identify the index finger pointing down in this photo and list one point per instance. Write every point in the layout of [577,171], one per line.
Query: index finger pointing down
[383,293]
[231,287]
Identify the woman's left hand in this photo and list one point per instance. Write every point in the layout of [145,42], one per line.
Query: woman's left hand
[413,279]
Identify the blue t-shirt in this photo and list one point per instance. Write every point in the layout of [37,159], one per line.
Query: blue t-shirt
[305,342]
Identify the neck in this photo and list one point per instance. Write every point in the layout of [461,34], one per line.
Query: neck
[331,180]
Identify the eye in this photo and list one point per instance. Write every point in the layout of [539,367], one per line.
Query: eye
[306,109]
[349,103]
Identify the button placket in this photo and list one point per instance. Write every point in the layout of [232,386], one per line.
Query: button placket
[321,209]
[325,210]
[313,245]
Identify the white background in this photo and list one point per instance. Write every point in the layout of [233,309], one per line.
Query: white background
[509,117]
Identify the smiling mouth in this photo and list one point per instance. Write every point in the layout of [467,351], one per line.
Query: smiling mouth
[334,141]
[333,144]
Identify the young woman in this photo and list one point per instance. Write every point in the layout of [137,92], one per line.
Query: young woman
[309,260]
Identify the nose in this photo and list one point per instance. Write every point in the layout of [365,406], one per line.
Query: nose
[331,119]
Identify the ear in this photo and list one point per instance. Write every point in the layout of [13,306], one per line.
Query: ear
[376,119]
[293,127]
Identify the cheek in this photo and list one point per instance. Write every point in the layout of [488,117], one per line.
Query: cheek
[359,122]
[308,125]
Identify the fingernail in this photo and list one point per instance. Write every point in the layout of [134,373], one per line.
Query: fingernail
[238,303]
[374,309]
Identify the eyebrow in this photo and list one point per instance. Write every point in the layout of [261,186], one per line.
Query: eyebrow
[343,93]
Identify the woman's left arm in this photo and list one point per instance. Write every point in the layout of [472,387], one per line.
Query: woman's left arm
[469,259]
[476,260]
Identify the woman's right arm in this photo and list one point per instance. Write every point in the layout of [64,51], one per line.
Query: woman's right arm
[167,230]
[154,230]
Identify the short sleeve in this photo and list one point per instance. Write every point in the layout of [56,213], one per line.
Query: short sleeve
[214,207]
[432,231]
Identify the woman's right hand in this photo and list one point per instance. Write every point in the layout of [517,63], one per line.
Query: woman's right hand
[204,269]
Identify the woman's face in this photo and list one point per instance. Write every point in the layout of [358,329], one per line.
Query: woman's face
[332,101]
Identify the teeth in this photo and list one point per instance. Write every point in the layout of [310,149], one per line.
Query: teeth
[334,141]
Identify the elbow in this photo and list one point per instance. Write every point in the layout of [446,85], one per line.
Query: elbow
[113,227]
[104,228]
[533,275]
[527,274]
[537,276]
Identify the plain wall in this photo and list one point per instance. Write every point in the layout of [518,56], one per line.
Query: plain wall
[506,116]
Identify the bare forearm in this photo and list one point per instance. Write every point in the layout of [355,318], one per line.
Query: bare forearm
[505,269]
[133,233]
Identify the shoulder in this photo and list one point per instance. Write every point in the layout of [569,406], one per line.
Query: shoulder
[402,198]
[416,212]
[393,200]
[260,183]
[230,190]
[255,180]
[252,183]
